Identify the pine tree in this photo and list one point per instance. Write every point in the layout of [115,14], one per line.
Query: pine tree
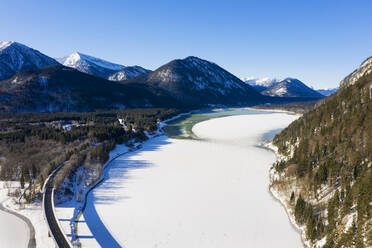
[300,209]
[310,228]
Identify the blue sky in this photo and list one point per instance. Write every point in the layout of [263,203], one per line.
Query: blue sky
[319,42]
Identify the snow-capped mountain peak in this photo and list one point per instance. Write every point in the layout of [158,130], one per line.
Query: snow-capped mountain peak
[5,44]
[260,84]
[266,81]
[90,65]
[291,87]
[73,59]
[15,57]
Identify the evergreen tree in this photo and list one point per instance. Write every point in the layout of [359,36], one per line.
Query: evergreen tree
[300,209]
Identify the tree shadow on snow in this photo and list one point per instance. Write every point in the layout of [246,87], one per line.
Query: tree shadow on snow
[110,190]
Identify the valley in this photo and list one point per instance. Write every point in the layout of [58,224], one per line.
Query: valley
[174,156]
[203,192]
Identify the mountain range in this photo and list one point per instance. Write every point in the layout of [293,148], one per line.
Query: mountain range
[33,81]
[199,81]
[60,88]
[101,68]
[288,87]
[291,87]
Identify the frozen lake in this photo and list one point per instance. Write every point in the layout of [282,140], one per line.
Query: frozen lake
[204,193]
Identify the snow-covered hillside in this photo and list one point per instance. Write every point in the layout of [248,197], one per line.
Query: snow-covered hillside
[291,87]
[261,84]
[288,87]
[364,68]
[266,82]
[90,65]
[198,81]
[15,57]
[128,72]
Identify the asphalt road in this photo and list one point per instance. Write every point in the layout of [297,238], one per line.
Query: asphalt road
[51,219]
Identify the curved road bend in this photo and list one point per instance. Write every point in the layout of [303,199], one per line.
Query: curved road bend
[54,228]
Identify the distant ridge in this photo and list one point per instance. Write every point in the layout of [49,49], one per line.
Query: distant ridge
[35,82]
[291,87]
[63,89]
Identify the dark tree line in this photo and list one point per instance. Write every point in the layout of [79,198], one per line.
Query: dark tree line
[34,144]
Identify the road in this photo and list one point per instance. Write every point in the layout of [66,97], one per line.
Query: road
[54,228]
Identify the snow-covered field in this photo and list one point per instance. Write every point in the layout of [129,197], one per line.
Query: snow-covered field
[13,231]
[189,193]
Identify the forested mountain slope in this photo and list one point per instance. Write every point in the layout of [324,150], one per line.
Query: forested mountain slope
[59,88]
[199,82]
[325,173]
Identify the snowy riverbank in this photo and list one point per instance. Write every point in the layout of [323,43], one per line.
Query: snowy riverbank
[69,212]
[188,193]
[283,196]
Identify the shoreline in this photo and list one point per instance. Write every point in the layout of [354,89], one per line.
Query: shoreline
[266,184]
[275,111]
[276,195]
[106,166]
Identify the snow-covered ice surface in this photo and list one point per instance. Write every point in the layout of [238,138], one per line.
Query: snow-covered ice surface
[13,231]
[194,193]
